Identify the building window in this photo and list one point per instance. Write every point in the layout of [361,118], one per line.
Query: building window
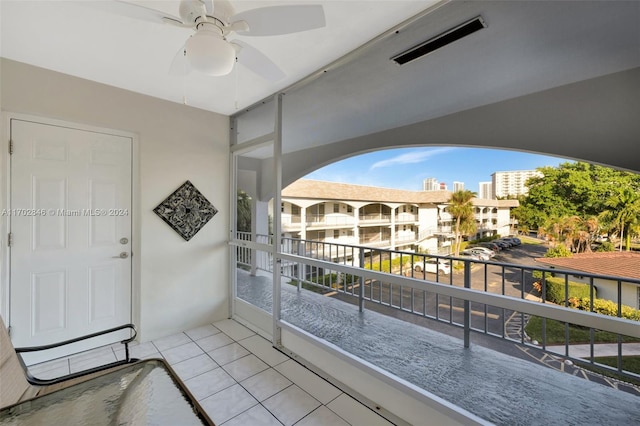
[295,210]
[282,207]
[349,209]
[336,234]
[336,208]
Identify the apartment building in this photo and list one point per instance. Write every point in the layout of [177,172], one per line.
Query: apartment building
[511,183]
[382,217]
[485,190]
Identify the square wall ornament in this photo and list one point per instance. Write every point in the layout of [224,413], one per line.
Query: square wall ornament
[186,210]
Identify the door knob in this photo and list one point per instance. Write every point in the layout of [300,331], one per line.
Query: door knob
[122,255]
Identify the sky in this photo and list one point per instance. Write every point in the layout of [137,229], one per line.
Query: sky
[406,168]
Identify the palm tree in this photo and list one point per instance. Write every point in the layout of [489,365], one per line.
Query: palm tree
[461,210]
[625,213]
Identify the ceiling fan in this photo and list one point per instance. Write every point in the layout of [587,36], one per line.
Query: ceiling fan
[212,49]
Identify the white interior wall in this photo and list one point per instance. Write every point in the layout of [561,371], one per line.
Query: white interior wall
[177,284]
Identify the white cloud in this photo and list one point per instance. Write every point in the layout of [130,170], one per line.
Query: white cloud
[413,157]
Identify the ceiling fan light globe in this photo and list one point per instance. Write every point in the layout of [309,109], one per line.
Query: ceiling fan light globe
[208,53]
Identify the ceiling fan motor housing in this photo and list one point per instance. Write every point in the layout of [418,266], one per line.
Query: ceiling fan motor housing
[208,52]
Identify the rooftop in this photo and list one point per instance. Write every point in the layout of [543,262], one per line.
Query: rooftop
[308,188]
[618,264]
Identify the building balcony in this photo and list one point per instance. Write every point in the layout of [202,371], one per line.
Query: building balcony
[452,342]
[329,221]
[374,219]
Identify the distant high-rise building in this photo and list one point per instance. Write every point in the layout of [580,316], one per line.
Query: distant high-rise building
[443,186]
[485,190]
[430,184]
[458,186]
[511,183]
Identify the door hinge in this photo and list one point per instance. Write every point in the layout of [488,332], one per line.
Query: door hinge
[9,331]
[10,146]
[10,239]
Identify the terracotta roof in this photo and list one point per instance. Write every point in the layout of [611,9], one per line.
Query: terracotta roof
[315,189]
[624,264]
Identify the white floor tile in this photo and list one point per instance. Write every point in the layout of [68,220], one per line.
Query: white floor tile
[291,405]
[264,350]
[85,363]
[322,416]
[255,416]
[233,329]
[208,383]
[140,350]
[194,366]
[315,385]
[204,331]
[102,351]
[228,403]
[51,372]
[356,413]
[216,341]
[287,390]
[57,365]
[181,353]
[245,367]
[172,341]
[265,384]
[229,353]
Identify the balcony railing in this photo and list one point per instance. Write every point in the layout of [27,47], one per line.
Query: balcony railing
[491,298]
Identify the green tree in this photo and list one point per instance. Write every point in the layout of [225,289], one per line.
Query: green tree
[624,212]
[461,210]
[571,189]
[243,212]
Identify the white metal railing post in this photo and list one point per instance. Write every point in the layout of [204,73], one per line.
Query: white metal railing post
[361,288]
[467,304]
[277,221]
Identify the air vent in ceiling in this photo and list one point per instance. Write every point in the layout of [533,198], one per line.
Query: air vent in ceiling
[440,40]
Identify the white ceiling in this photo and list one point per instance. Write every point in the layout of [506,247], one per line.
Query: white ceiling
[535,54]
[77,38]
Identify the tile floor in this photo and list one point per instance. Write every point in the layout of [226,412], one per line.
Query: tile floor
[238,378]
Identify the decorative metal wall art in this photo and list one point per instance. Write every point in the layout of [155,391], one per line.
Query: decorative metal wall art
[186,210]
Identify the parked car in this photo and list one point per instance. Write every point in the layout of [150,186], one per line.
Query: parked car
[471,256]
[491,246]
[502,244]
[511,240]
[485,253]
[491,252]
[516,240]
[434,265]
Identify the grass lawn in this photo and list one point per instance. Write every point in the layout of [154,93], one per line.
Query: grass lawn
[528,240]
[629,363]
[555,333]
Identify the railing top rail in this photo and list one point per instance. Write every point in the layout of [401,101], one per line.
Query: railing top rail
[556,312]
[546,270]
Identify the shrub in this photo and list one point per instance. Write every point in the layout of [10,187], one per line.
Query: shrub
[558,251]
[606,246]
[606,307]
[555,290]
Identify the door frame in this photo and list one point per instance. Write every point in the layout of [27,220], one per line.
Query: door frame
[5,203]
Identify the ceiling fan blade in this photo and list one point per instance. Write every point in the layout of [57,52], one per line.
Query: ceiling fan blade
[180,64]
[257,62]
[208,5]
[278,20]
[133,10]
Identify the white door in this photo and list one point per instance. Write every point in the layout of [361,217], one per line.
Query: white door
[70,224]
